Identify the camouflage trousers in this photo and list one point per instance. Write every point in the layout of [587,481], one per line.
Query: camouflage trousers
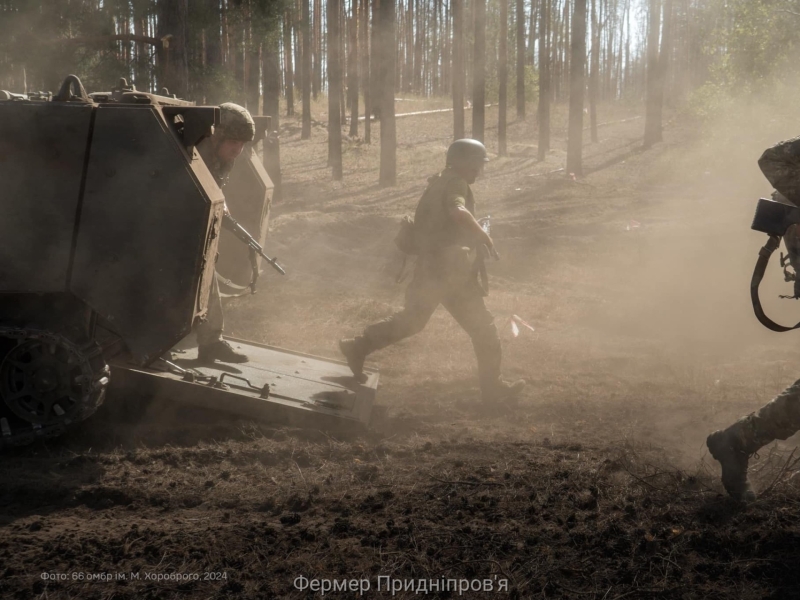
[436,282]
[779,419]
[210,331]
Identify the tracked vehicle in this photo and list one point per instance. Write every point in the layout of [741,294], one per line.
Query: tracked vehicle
[110,225]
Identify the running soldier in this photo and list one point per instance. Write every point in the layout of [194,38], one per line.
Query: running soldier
[219,152]
[779,419]
[445,231]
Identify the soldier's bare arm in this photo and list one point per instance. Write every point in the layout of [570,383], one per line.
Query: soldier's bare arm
[464,219]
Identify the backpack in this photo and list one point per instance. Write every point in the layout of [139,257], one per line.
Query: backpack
[406,239]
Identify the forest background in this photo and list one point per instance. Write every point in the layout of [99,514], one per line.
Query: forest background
[635,277]
[275,56]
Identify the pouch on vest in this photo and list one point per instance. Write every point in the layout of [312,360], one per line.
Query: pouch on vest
[453,264]
[406,239]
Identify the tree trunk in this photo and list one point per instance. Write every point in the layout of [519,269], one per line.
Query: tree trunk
[342,62]
[554,33]
[142,72]
[306,74]
[503,75]
[536,7]
[479,72]
[398,45]
[594,73]
[334,91]
[174,66]
[433,59]
[252,67]
[576,89]
[408,75]
[628,70]
[297,28]
[566,49]
[544,80]
[376,74]
[424,36]
[272,80]
[469,28]
[521,58]
[125,22]
[287,62]
[225,36]
[446,58]
[663,61]
[420,28]
[458,69]
[652,119]
[238,59]
[316,82]
[388,168]
[272,93]
[352,68]
[365,65]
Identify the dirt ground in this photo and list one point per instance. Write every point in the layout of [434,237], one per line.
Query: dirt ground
[596,485]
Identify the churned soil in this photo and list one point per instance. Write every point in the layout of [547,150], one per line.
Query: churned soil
[596,484]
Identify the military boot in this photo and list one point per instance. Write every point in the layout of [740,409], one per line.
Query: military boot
[502,391]
[221,351]
[355,353]
[733,454]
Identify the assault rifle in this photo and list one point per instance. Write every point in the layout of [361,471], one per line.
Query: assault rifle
[240,232]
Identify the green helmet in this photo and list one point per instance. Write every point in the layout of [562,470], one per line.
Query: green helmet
[236,123]
[466,153]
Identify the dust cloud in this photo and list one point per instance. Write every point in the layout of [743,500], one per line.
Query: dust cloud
[695,251]
[662,324]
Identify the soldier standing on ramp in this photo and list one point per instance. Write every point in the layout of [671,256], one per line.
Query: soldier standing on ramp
[445,230]
[219,152]
[779,419]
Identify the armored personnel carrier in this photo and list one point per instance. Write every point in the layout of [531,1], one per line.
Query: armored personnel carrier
[110,224]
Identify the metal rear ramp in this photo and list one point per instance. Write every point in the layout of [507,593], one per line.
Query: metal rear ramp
[276,385]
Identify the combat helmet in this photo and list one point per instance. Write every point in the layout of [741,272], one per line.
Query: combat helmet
[466,153]
[236,123]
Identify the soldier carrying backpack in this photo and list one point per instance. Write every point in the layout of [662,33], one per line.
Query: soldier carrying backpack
[443,234]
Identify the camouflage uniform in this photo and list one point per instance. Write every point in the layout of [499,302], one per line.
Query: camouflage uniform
[443,275]
[235,123]
[210,331]
[779,419]
[781,166]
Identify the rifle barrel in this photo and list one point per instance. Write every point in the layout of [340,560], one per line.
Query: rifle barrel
[250,241]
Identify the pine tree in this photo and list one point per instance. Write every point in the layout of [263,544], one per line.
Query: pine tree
[334,91]
[306,71]
[287,62]
[544,81]
[459,76]
[174,67]
[479,72]
[503,75]
[521,58]
[388,168]
[365,67]
[576,91]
